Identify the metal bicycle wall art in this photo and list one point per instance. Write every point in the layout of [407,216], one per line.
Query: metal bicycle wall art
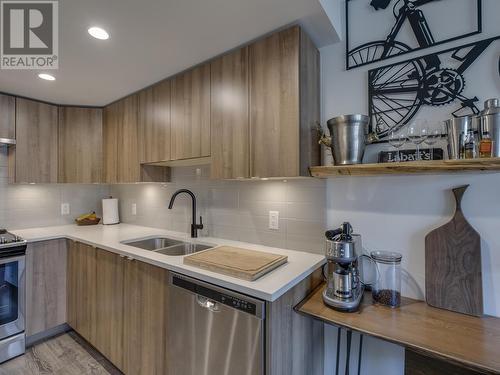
[374,32]
[397,92]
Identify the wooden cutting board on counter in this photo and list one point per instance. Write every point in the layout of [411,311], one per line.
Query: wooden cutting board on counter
[453,265]
[236,262]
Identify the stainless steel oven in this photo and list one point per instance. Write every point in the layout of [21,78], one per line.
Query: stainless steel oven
[12,295]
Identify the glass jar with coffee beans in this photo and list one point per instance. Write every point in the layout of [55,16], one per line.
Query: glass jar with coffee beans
[387,288]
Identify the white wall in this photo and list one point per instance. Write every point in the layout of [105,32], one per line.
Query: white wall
[25,206]
[396,212]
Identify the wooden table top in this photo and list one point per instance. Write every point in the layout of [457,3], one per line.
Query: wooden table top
[466,340]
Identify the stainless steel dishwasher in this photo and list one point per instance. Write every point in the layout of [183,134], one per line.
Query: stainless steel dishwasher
[212,330]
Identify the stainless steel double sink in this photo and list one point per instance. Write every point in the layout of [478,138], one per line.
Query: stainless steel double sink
[167,246]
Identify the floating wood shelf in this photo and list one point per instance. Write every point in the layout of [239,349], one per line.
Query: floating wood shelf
[456,338]
[416,167]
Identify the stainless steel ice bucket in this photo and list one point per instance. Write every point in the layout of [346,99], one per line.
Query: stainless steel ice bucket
[348,133]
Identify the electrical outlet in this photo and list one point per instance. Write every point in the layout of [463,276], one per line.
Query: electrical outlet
[64,208]
[134,208]
[274,220]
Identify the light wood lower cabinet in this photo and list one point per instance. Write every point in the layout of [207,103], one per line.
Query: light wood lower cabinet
[145,319]
[122,312]
[294,343]
[82,289]
[45,286]
[120,306]
[109,306]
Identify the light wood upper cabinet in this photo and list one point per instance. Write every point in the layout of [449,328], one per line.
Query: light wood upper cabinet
[154,123]
[190,114]
[229,121]
[80,145]
[7,116]
[34,158]
[45,285]
[120,144]
[278,116]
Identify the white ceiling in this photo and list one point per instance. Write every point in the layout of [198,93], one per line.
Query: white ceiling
[151,40]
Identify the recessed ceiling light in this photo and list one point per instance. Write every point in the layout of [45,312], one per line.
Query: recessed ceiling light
[98,33]
[47,77]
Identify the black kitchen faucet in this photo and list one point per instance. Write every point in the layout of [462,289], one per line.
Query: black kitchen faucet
[194,226]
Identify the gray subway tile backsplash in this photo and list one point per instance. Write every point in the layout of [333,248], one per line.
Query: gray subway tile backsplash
[235,210]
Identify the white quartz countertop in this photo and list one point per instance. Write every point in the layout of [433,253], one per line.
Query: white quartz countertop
[109,237]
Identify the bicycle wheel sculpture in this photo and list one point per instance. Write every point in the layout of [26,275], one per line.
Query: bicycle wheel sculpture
[387,28]
[398,91]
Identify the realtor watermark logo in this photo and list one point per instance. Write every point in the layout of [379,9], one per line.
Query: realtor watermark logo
[29,34]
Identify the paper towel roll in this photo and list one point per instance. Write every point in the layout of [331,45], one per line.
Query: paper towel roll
[110,211]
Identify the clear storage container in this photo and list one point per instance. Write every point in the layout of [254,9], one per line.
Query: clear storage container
[387,288]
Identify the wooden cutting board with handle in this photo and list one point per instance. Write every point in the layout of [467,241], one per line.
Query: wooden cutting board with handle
[453,278]
[237,262]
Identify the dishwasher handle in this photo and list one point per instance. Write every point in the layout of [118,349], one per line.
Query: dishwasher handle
[215,298]
[207,303]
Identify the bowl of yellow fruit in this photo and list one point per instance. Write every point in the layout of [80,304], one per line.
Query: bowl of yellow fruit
[88,219]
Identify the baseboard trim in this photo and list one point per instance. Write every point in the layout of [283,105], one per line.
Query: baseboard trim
[42,336]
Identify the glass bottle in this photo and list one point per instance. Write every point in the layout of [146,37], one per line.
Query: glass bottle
[485,146]
[470,145]
[387,288]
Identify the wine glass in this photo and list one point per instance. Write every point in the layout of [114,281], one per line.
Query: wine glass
[417,134]
[433,135]
[397,140]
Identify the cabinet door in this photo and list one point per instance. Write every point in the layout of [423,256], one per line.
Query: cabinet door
[110,126]
[7,116]
[190,114]
[45,285]
[229,116]
[154,123]
[109,306]
[82,289]
[34,159]
[274,105]
[145,319]
[121,153]
[80,145]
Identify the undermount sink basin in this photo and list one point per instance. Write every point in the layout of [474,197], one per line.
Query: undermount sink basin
[152,243]
[183,249]
[167,246]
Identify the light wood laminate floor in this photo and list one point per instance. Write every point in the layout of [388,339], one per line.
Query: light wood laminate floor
[67,354]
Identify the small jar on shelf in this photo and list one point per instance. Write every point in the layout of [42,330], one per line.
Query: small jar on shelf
[387,288]
[470,147]
[485,145]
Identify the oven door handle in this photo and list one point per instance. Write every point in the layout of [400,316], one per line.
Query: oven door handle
[16,258]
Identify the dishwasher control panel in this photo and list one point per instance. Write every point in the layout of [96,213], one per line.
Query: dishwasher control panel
[216,295]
